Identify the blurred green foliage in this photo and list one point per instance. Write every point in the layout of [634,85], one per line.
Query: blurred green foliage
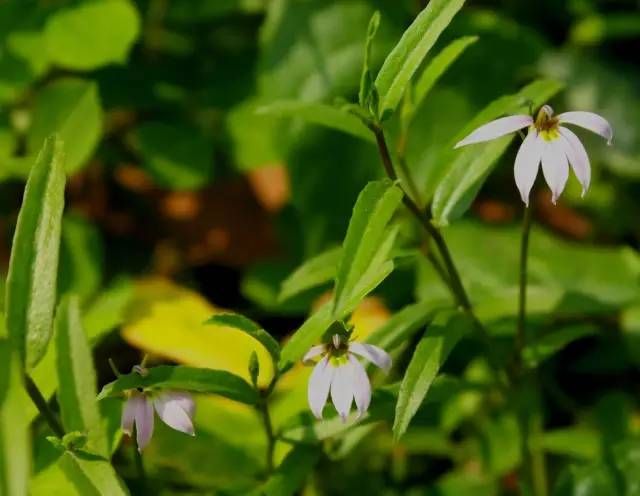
[178,170]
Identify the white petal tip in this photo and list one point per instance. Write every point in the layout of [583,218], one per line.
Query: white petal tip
[458,145]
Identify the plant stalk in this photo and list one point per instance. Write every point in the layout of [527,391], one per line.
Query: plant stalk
[41,404]
[521,331]
[263,408]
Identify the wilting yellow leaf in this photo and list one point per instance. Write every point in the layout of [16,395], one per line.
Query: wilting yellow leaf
[168,320]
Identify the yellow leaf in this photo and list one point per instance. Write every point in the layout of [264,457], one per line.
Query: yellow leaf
[168,320]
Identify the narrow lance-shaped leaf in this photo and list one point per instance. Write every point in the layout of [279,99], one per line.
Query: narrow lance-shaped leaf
[321,114]
[367,229]
[249,327]
[77,378]
[366,79]
[403,324]
[91,475]
[306,336]
[193,379]
[15,440]
[407,56]
[471,166]
[430,354]
[314,272]
[33,268]
[438,66]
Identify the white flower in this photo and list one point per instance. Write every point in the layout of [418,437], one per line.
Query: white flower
[340,373]
[175,408]
[549,142]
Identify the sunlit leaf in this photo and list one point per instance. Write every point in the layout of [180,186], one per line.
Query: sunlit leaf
[241,323]
[168,320]
[91,475]
[306,336]
[31,282]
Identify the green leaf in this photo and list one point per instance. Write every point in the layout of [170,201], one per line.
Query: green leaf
[407,56]
[91,35]
[77,378]
[249,327]
[430,354]
[366,80]
[367,230]
[15,439]
[471,166]
[438,66]
[577,442]
[91,475]
[321,114]
[403,324]
[314,272]
[306,336]
[193,379]
[33,268]
[177,157]
[70,107]
[542,348]
[290,476]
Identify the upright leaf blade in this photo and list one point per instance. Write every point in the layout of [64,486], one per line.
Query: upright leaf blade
[403,324]
[438,66]
[321,114]
[15,440]
[91,475]
[249,327]
[306,336]
[77,378]
[33,268]
[430,354]
[193,379]
[366,79]
[407,56]
[372,212]
[471,166]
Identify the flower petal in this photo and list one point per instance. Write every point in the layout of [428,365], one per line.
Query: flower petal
[361,386]
[526,165]
[342,389]
[555,167]
[578,157]
[319,385]
[175,410]
[374,354]
[312,353]
[131,406]
[589,120]
[144,423]
[497,128]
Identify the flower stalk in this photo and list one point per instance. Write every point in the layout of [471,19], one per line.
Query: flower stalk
[41,404]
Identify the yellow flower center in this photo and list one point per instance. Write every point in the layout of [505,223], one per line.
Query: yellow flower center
[547,124]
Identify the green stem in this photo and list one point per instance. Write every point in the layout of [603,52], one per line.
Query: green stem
[534,471]
[41,404]
[137,457]
[521,336]
[263,408]
[453,281]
